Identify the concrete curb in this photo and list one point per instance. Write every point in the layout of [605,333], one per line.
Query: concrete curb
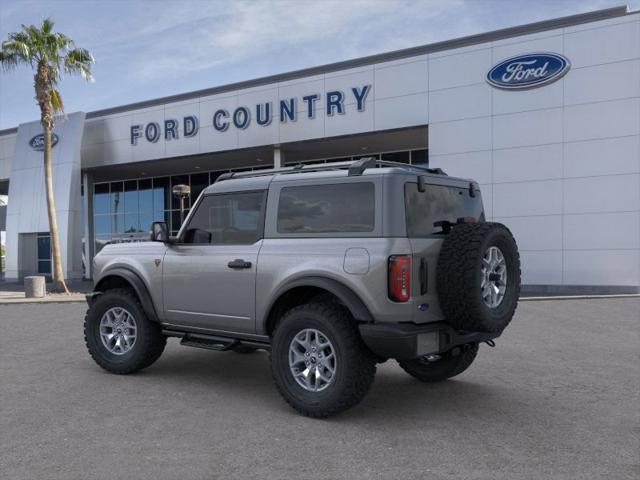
[73,298]
[577,297]
[80,298]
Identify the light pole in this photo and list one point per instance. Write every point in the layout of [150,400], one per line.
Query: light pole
[182,192]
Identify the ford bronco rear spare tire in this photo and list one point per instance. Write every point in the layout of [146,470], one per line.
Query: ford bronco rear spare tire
[478,277]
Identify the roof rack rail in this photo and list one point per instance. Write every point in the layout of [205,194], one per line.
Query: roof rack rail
[297,168]
[359,166]
[354,167]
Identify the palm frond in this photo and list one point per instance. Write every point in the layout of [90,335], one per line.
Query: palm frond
[63,42]
[56,101]
[34,34]
[79,61]
[13,54]
[20,37]
[47,26]
[18,45]
[9,61]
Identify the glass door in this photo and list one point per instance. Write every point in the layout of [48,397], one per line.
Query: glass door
[44,253]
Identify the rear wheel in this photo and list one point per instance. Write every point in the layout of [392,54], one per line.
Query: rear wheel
[318,360]
[119,336]
[431,369]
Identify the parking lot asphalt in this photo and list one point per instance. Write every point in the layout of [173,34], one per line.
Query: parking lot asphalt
[558,398]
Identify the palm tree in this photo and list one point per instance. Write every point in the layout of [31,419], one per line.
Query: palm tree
[50,55]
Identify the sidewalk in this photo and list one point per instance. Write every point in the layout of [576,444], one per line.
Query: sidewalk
[11,293]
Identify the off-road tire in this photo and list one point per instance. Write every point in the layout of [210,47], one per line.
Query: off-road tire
[451,364]
[356,366]
[458,277]
[149,343]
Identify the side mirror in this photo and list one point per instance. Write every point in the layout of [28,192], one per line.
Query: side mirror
[159,232]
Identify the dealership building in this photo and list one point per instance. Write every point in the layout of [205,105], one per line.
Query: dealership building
[544,116]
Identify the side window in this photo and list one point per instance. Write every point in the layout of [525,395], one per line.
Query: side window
[338,208]
[233,218]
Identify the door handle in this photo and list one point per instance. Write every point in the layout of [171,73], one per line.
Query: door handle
[238,264]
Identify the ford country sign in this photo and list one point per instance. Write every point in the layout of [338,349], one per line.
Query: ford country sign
[528,71]
[262,113]
[37,142]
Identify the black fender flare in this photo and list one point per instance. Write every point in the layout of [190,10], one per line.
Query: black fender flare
[347,296]
[136,283]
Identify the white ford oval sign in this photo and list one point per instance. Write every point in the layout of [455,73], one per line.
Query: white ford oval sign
[37,142]
[528,71]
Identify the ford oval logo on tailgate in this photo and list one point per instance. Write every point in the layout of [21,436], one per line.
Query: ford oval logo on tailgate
[528,71]
[37,142]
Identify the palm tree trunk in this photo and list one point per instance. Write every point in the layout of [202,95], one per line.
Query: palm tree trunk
[59,284]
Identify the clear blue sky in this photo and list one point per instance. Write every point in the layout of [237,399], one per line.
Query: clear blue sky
[149,49]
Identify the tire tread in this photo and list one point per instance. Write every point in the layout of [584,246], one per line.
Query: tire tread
[153,343]
[456,277]
[359,378]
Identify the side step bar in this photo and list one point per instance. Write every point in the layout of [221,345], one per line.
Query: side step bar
[211,342]
[208,341]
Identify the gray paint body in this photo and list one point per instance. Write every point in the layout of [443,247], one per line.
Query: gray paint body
[193,288]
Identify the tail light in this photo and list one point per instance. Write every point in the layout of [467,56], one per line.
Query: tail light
[399,278]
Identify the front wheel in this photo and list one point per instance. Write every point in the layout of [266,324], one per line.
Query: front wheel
[436,370]
[119,336]
[318,360]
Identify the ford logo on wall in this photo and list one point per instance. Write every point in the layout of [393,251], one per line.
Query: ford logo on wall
[528,71]
[37,142]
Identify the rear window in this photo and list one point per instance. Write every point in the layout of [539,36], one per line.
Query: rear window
[435,204]
[338,208]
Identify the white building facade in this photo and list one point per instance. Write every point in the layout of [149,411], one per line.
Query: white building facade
[555,150]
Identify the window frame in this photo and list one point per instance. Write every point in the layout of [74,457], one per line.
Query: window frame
[261,219]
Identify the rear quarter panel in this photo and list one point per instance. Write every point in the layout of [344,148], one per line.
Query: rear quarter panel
[283,260]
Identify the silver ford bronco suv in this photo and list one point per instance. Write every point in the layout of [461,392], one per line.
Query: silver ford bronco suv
[332,268]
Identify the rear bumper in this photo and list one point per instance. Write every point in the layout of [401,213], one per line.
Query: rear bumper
[408,340]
